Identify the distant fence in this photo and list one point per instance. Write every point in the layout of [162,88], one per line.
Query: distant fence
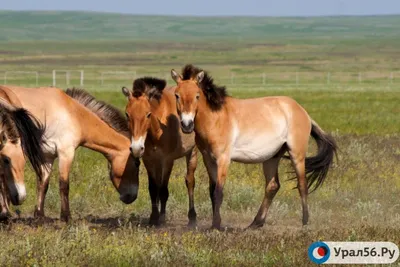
[115,77]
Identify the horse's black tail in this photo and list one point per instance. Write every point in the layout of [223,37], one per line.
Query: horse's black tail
[317,167]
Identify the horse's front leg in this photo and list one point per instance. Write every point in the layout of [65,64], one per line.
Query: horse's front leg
[191,165]
[65,163]
[4,201]
[164,193]
[153,191]
[217,170]
[42,185]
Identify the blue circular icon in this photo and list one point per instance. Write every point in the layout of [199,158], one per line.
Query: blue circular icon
[319,252]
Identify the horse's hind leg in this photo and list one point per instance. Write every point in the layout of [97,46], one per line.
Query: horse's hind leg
[297,145]
[298,160]
[191,164]
[272,185]
[65,162]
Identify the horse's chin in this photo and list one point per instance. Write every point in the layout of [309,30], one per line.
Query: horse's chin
[15,200]
[187,130]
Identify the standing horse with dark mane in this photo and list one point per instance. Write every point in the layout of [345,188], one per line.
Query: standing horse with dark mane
[157,137]
[258,130]
[75,118]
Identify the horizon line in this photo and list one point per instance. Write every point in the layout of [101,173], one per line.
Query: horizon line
[200,16]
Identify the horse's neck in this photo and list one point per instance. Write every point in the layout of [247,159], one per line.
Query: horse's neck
[207,121]
[159,114]
[99,136]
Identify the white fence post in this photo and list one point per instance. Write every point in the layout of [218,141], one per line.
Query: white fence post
[82,77]
[67,74]
[297,78]
[54,78]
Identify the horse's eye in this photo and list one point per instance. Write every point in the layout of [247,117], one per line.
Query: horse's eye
[148,115]
[197,96]
[127,115]
[177,96]
[6,161]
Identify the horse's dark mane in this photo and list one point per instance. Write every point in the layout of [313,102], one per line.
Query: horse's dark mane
[107,113]
[152,87]
[20,123]
[215,95]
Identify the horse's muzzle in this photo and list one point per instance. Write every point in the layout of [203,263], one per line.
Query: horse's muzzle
[187,128]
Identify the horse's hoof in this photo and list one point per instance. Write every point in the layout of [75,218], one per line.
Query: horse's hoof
[154,221]
[161,219]
[65,217]
[192,224]
[255,225]
[5,216]
[38,214]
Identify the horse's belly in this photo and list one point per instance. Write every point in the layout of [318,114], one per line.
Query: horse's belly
[256,149]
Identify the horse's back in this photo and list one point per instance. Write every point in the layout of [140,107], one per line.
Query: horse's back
[53,108]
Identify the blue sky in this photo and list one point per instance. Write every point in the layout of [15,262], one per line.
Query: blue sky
[215,7]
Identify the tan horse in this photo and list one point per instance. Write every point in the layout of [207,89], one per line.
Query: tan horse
[75,118]
[258,130]
[21,135]
[156,135]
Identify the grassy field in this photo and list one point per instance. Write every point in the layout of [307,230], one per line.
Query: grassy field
[357,202]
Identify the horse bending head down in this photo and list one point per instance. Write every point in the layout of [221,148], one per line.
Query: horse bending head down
[195,85]
[21,135]
[138,110]
[123,168]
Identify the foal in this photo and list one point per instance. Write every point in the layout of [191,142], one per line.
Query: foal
[156,136]
[258,130]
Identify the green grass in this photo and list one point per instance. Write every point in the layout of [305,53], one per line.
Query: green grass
[357,202]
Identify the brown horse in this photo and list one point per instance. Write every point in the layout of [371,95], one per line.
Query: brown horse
[21,135]
[75,118]
[258,130]
[156,135]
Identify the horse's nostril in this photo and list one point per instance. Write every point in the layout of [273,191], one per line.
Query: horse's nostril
[130,149]
[142,148]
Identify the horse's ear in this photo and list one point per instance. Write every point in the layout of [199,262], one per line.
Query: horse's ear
[200,77]
[126,92]
[176,76]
